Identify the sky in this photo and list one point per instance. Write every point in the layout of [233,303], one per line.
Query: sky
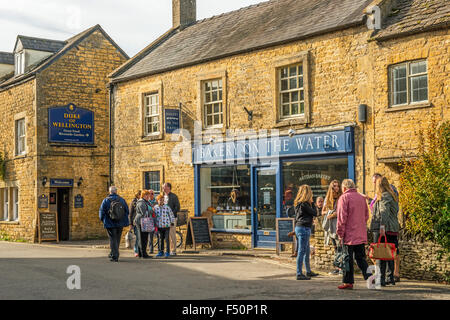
[132,24]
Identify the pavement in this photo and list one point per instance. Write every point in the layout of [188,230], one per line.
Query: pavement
[39,272]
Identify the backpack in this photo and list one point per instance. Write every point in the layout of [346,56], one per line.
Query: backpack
[116,210]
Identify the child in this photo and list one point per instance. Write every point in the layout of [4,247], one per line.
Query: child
[164,218]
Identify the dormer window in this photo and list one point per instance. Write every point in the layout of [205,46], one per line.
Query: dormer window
[20,62]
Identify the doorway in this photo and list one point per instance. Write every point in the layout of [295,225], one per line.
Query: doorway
[63,213]
[266,207]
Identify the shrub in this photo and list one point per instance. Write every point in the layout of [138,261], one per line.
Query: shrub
[425,187]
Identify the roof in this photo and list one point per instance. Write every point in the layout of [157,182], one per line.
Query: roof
[6,58]
[259,26]
[414,16]
[40,44]
[69,44]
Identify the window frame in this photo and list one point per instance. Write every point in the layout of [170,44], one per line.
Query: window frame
[17,151]
[15,196]
[147,96]
[149,89]
[212,102]
[19,63]
[289,91]
[407,65]
[157,191]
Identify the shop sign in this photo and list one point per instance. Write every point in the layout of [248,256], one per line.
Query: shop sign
[43,202]
[61,183]
[79,201]
[273,147]
[172,120]
[70,124]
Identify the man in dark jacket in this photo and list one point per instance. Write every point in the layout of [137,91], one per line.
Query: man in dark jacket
[171,199]
[114,228]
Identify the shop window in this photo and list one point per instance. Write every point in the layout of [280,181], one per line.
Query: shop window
[409,83]
[225,195]
[213,103]
[152,181]
[20,137]
[318,174]
[152,113]
[292,91]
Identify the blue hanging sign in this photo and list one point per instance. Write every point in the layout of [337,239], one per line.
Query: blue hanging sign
[61,182]
[172,120]
[70,124]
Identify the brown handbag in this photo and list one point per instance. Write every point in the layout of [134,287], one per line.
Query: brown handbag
[382,251]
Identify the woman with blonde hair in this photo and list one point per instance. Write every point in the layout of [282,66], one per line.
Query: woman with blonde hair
[385,222]
[329,209]
[305,211]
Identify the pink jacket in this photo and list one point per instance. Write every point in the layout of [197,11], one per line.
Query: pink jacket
[352,216]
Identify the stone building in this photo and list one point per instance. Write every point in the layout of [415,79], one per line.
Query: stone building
[54,133]
[276,95]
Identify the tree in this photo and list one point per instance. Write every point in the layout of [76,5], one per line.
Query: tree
[425,187]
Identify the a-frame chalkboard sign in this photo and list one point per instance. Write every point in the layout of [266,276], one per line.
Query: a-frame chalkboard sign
[283,227]
[198,232]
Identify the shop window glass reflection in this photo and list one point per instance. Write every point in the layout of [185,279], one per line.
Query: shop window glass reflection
[318,174]
[225,196]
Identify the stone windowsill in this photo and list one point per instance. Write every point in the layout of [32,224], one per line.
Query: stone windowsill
[21,156]
[151,138]
[409,107]
[290,122]
[10,222]
[73,145]
[236,231]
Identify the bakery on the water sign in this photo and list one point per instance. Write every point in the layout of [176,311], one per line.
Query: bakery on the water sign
[70,124]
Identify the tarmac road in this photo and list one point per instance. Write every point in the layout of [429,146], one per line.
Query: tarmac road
[30,271]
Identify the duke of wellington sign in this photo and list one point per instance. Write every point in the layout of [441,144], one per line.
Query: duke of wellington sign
[70,124]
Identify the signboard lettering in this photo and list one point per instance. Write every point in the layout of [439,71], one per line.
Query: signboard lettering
[61,182]
[48,226]
[172,120]
[79,201]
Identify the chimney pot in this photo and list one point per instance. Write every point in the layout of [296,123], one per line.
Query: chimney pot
[184,13]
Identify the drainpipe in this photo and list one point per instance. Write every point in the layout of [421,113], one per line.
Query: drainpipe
[111,105]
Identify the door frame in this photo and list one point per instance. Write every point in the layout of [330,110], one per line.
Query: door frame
[58,192]
[254,198]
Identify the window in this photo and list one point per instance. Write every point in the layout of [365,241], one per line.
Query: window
[16,204]
[151,114]
[292,92]
[20,137]
[409,83]
[20,63]
[213,102]
[152,181]
[5,199]
[217,185]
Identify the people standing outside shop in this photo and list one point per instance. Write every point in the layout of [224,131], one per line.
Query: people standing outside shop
[305,211]
[131,217]
[352,217]
[164,219]
[329,210]
[385,223]
[114,213]
[171,199]
[372,202]
[152,202]
[143,210]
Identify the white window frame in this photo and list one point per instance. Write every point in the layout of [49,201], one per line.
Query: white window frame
[150,116]
[220,94]
[409,78]
[15,192]
[20,137]
[299,89]
[5,195]
[158,191]
[20,63]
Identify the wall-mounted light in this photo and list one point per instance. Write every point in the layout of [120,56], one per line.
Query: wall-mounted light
[212,140]
[44,181]
[80,181]
[362,113]
[291,133]
[250,114]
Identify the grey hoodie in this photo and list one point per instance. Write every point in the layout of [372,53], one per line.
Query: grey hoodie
[141,211]
[385,212]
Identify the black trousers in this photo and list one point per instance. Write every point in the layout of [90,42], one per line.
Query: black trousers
[357,252]
[390,263]
[163,234]
[142,239]
[114,234]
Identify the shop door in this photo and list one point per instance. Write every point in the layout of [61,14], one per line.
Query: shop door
[265,207]
[63,213]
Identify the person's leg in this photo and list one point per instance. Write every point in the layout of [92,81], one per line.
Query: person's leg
[136,243]
[167,239]
[150,242]
[144,244]
[360,257]
[383,272]
[161,240]
[119,238]
[111,241]
[307,250]
[173,237]
[348,275]
[300,232]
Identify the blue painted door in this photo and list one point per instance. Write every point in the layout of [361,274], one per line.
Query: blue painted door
[265,207]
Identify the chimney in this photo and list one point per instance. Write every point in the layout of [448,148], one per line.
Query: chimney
[184,13]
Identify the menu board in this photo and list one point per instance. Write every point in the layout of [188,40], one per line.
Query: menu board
[198,232]
[48,226]
[283,227]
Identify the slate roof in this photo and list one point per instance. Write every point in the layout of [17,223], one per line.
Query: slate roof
[68,44]
[40,44]
[6,58]
[259,26]
[413,16]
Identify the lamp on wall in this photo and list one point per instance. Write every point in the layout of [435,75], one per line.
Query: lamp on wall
[80,181]
[44,181]
[250,114]
[291,133]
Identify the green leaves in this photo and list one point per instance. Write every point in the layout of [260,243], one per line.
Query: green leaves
[2,167]
[425,187]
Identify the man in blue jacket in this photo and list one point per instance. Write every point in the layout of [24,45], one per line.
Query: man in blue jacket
[114,227]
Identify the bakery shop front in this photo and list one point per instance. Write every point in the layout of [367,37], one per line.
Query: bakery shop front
[244,185]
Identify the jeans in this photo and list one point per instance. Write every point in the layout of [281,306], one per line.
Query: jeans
[114,235]
[357,252]
[164,237]
[150,241]
[136,243]
[303,234]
